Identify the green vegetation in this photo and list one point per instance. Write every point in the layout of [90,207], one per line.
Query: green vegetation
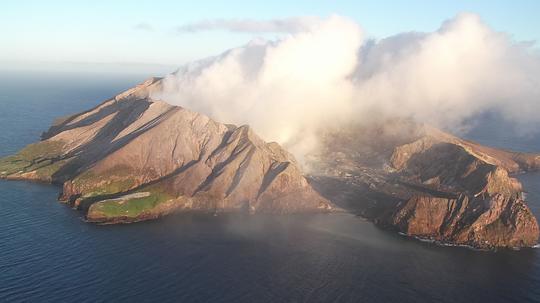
[116,186]
[120,178]
[12,164]
[130,207]
[32,157]
[49,170]
[44,149]
[86,177]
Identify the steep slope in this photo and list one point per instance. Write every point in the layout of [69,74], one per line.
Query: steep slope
[429,184]
[466,200]
[74,143]
[133,158]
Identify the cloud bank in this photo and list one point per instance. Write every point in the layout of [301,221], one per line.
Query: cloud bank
[327,74]
[286,25]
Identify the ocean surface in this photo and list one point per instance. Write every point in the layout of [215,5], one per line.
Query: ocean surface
[49,254]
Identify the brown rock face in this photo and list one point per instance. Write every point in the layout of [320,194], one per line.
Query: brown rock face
[497,221]
[483,205]
[429,184]
[133,158]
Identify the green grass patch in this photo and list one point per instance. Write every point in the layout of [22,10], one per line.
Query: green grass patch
[119,175]
[12,164]
[130,208]
[49,170]
[85,177]
[43,149]
[114,187]
[32,157]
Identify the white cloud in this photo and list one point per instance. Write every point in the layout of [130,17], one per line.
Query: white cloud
[446,76]
[286,25]
[325,75]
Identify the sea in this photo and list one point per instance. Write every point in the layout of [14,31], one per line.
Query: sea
[49,254]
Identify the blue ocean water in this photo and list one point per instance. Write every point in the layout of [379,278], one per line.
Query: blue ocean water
[48,254]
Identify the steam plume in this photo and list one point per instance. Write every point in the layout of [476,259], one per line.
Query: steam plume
[326,74]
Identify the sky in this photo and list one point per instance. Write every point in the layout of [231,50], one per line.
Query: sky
[288,69]
[171,33]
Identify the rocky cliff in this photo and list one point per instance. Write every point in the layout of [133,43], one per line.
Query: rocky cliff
[468,197]
[134,158]
[429,184]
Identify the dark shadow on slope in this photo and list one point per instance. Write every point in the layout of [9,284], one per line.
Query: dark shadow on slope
[217,170]
[102,144]
[87,202]
[429,191]
[61,124]
[355,198]
[271,174]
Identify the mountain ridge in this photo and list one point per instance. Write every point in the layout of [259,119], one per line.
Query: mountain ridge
[133,158]
[425,183]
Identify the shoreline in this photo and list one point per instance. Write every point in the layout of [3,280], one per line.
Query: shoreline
[337,210]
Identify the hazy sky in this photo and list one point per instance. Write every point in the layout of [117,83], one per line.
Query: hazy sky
[174,32]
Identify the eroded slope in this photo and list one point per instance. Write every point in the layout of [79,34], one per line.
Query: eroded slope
[134,158]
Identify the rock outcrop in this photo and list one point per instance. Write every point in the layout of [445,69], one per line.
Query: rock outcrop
[429,184]
[467,200]
[133,158]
